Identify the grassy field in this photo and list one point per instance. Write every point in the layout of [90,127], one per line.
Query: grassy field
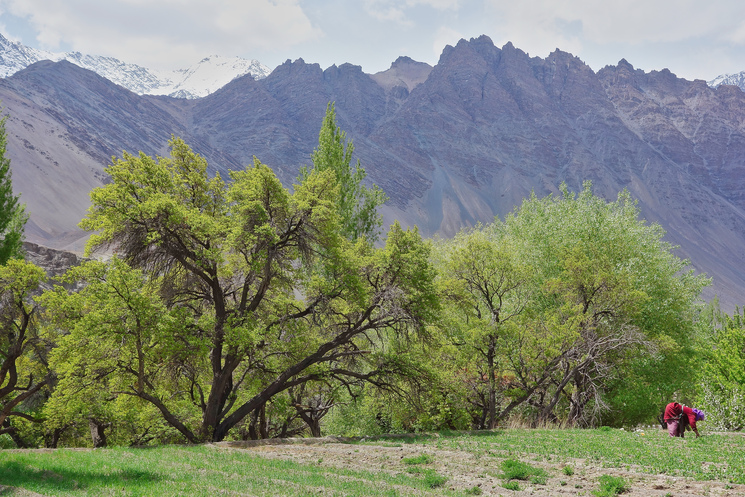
[502,462]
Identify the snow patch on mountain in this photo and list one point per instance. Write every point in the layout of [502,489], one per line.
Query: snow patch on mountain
[199,80]
[729,79]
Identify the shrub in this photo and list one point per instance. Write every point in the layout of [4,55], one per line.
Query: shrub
[611,486]
[420,459]
[517,470]
[511,485]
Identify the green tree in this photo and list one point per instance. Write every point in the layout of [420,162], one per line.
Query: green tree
[488,289]
[114,323]
[610,294]
[249,270]
[22,369]
[357,204]
[12,213]
[722,375]
[561,308]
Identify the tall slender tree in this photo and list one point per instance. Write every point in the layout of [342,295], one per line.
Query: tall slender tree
[357,205]
[12,213]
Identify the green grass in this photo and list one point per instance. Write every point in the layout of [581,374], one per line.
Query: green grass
[511,485]
[194,471]
[518,470]
[421,459]
[204,470]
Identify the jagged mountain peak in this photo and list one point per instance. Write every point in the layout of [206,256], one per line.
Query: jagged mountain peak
[405,73]
[198,80]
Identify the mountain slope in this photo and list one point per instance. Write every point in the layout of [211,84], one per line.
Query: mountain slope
[452,144]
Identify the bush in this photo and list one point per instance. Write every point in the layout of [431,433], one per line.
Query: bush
[517,470]
[420,459]
[611,486]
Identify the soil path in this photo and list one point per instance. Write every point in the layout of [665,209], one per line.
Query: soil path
[466,470]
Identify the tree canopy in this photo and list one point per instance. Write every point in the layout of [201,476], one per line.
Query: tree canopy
[229,292]
[564,300]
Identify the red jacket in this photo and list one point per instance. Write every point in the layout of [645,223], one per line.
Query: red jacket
[673,411]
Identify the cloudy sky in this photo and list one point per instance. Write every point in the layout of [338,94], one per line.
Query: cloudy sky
[692,38]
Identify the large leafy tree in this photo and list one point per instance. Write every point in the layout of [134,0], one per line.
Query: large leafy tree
[21,375]
[224,286]
[12,213]
[576,300]
[487,287]
[721,377]
[611,296]
[114,322]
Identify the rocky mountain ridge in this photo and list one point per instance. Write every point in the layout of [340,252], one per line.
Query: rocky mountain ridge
[199,80]
[452,145]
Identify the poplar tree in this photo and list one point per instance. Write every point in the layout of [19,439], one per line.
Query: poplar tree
[357,205]
[12,212]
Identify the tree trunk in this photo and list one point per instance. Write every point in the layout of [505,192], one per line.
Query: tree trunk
[263,428]
[51,439]
[492,384]
[97,432]
[13,433]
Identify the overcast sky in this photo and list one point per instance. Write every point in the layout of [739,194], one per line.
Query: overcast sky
[692,38]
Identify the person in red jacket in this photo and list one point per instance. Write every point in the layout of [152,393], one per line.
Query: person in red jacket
[676,423]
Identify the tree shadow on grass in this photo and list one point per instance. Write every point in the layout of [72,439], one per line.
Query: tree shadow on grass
[29,477]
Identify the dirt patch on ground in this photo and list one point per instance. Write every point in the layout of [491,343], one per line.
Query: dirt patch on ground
[465,470]
[17,492]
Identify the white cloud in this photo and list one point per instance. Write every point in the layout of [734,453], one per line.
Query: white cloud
[541,22]
[178,31]
[396,10]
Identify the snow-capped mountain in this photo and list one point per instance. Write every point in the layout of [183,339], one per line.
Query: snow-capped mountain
[729,79]
[199,80]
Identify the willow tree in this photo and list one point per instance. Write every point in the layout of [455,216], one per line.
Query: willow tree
[567,306]
[486,286]
[611,298]
[243,271]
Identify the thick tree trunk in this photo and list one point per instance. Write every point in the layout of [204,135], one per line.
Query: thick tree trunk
[97,432]
[11,431]
[51,438]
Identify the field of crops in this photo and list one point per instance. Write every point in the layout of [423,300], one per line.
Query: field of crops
[502,462]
